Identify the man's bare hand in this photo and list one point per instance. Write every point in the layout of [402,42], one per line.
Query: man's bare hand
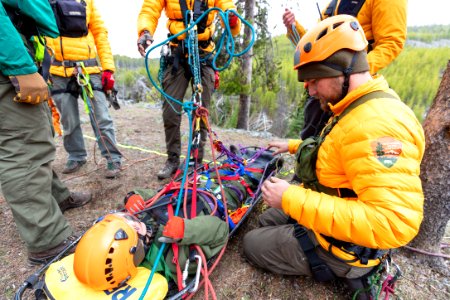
[288,18]
[282,147]
[272,191]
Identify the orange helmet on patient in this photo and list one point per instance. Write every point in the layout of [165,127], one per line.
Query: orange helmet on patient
[108,254]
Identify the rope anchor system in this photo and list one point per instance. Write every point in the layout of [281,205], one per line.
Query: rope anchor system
[227,42]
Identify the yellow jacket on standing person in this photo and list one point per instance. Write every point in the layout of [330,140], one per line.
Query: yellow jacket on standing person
[152,9]
[384,24]
[375,150]
[94,44]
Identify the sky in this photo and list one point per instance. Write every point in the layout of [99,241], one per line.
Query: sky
[120,17]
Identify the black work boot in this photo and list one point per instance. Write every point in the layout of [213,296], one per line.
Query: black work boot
[43,257]
[170,167]
[76,199]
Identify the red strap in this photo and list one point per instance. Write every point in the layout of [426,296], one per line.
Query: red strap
[175,253]
[254,170]
[247,187]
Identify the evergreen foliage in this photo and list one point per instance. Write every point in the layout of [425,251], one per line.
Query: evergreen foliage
[415,75]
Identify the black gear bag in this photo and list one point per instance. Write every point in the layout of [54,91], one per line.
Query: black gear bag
[70,17]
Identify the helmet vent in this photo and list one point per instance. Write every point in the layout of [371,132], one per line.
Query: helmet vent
[336,25]
[108,270]
[109,278]
[322,34]
[108,261]
[111,250]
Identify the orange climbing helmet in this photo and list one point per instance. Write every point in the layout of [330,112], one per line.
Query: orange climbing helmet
[108,254]
[328,37]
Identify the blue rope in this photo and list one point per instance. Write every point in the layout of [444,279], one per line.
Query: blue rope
[293,35]
[189,106]
[225,37]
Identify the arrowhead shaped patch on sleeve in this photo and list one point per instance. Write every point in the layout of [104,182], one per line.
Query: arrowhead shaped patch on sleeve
[386,150]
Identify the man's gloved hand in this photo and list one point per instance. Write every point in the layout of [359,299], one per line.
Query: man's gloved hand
[134,203]
[145,40]
[232,20]
[30,88]
[173,231]
[107,81]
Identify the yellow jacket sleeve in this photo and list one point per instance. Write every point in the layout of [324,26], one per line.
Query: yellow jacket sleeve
[149,15]
[293,145]
[100,33]
[384,23]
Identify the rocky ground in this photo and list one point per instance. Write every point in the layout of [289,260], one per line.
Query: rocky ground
[140,134]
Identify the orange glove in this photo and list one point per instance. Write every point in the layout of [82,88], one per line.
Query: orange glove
[174,229]
[134,204]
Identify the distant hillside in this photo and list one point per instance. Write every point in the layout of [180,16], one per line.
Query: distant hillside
[415,75]
[428,34]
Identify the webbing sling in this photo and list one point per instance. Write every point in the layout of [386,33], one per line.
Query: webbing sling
[319,268]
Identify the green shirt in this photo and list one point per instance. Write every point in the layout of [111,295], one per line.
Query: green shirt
[14,57]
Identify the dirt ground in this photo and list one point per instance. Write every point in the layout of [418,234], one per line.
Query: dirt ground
[140,132]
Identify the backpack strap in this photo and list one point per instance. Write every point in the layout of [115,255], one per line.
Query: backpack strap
[329,12]
[364,99]
[319,269]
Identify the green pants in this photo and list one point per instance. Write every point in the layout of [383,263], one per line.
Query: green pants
[273,247]
[175,84]
[28,183]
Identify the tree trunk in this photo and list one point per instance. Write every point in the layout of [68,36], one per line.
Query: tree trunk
[435,174]
[244,97]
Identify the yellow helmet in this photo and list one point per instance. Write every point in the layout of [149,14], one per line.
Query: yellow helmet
[108,254]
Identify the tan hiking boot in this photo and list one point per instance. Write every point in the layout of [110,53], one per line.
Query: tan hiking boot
[72,166]
[170,167]
[76,199]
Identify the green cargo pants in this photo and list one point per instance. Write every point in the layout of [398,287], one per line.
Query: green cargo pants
[273,247]
[28,183]
[176,85]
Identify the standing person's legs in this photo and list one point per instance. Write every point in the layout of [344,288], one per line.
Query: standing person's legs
[26,151]
[105,123]
[67,104]
[174,85]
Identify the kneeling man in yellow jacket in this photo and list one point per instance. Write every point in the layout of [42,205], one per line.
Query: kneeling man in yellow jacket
[361,193]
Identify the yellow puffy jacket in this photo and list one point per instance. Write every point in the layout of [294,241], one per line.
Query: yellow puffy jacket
[151,11]
[84,48]
[384,23]
[375,150]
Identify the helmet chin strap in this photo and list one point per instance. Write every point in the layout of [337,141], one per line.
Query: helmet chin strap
[346,71]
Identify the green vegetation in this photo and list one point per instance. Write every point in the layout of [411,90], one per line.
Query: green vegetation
[429,33]
[415,75]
